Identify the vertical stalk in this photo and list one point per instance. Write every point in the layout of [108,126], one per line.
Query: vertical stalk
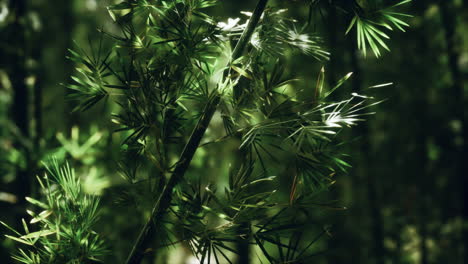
[424,185]
[163,202]
[13,61]
[244,251]
[21,95]
[67,27]
[38,110]
[19,73]
[38,71]
[449,23]
[368,176]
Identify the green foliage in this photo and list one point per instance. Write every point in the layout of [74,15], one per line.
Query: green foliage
[276,33]
[170,70]
[370,27]
[64,223]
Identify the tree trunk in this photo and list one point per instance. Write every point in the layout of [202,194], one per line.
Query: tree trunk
[20,111]
[362,131]
[163,202]
[449,15]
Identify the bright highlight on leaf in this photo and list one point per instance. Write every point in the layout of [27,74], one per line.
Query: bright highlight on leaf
[65,224]
[178,78]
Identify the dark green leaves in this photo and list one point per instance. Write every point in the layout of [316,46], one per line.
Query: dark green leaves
[371,28]
[89,83]
[172,69]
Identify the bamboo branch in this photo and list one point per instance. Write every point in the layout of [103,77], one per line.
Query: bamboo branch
[163,202]
[247,34]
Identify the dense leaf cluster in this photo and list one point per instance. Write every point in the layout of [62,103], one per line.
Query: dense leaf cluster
[172,70]
[64,225]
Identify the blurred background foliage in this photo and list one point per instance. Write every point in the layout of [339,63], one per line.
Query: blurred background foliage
[406,195]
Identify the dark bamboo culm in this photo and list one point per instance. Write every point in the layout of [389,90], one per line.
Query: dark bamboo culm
[163,202]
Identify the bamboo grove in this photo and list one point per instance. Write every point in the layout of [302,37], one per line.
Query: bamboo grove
[184,83]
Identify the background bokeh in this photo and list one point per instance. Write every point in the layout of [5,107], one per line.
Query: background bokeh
[406,194]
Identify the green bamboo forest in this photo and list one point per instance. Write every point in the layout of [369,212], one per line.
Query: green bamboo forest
[233,132]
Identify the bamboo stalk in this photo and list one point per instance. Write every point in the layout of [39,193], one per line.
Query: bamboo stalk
[163,202]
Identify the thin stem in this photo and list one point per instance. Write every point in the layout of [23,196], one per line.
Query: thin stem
[247,34]
[163,202]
